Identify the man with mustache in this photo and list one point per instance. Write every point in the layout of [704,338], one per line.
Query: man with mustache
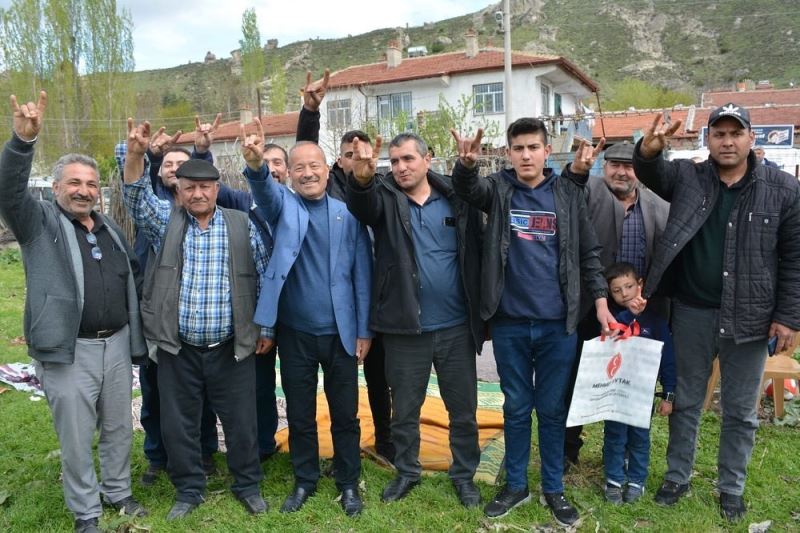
[316,295]
[628,219]
[82,321]
[197,307]
[731,253]
[425,301]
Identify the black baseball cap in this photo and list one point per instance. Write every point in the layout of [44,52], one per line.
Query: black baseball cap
[733,111]
[198,170]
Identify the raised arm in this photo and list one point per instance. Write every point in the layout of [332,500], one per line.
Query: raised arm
[363,199]
[648,164]
[267,193]
[313,94]
[18,208]
[149,213]
[585,155]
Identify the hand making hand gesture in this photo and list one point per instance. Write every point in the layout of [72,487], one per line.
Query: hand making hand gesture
[469,149]
[585,156]
[656,136]
[28,118]
[314,92]
[204,133]
[253,146]
[161,141]
[365,159]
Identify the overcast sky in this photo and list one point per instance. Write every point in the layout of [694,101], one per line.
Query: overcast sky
[169,33]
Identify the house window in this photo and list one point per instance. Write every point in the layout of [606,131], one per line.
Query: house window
[394,113]
[545,100]
[339,114]
[488,98]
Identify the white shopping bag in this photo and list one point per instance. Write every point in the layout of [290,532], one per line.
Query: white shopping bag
[616,380]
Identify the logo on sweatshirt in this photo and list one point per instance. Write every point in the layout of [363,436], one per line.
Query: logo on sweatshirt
[614,364]
[533,225]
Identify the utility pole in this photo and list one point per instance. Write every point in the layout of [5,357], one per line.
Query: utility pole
[507,58]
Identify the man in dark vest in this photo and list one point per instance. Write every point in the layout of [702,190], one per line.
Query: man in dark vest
[198,306]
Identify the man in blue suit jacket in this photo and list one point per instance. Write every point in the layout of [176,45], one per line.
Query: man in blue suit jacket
[316,293]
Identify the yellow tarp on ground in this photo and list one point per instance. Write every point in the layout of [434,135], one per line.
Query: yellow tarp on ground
[434,453]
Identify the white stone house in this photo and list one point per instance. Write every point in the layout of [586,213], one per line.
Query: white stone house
[394,95]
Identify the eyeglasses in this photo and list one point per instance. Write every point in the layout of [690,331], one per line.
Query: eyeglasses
[97,253]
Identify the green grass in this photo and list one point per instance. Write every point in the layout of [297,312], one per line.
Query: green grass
[30,470]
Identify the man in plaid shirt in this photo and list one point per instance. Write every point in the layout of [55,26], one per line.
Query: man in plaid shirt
[198,305]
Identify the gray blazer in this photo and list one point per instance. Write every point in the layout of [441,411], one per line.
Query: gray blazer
[607,215]
[53,265]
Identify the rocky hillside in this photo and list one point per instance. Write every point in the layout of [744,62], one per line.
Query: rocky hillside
[689,45]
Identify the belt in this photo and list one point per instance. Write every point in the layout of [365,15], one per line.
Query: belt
[102,334]
[209,347]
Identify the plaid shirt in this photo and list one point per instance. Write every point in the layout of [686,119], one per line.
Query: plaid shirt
[633,244]
[204,305]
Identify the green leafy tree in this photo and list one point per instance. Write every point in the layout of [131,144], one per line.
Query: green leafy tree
[253,66]
[434,126]
[639,94]
[277,95]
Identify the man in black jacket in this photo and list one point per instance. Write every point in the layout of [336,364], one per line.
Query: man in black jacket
[380,401]
[731,247]
[424,301]
[539,249]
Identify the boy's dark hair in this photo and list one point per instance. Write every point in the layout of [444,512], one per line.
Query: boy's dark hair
[273,146]
[526,125]
[180,149]
[617,270]
[352,134]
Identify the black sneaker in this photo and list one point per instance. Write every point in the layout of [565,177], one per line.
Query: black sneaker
[670,492]
[563,511]
[732,507]
[150,475]
[613,494]
[633,492]
[506,500]
[87,526]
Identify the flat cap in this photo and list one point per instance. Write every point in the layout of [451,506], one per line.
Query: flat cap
[620,152]
[198,170]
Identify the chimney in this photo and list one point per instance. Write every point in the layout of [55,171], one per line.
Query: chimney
[394,56]
[471,39]
[245,115]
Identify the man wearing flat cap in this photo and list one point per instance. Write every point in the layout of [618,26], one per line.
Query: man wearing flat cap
[628,219]
[733,257]
[197,307]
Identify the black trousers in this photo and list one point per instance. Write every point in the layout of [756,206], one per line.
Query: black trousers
[408,368]
[588,328]
[230,387]
[301,356]
[266,408]
[380,401]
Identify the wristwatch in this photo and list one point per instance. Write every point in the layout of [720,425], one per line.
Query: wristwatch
[669,397]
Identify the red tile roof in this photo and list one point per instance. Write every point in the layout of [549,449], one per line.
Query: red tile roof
[274,126]
[622,125]
[757,97]
[447,64]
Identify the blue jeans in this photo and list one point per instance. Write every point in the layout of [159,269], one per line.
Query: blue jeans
[619,439]
[522,350]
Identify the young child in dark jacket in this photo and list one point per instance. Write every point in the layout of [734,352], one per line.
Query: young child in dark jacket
[622,441]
